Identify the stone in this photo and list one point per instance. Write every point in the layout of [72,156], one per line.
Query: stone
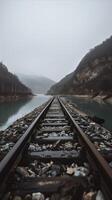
[45,168]
[99,196]
[70,170]
[38,196]
[68,145]
[31,173]
[89,196]
[31,147]
[7,146]
[81,171]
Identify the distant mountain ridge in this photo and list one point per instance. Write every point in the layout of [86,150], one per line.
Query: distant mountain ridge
[10,85]
[93,75]
[38,84]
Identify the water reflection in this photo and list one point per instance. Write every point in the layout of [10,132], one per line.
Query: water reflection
[11,111]
[7,109]
[91,107]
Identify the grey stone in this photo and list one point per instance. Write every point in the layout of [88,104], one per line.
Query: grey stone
[38,196]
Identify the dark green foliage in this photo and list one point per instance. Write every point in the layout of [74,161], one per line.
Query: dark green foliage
[10,84]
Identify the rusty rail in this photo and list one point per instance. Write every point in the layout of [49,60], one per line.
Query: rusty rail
[98,160]
[12,159]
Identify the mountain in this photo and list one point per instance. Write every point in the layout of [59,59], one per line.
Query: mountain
[93,76]
[10,85]
[38,85]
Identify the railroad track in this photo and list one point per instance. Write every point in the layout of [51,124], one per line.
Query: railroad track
[54,160]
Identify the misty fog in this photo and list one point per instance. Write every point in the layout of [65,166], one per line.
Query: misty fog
[49,38]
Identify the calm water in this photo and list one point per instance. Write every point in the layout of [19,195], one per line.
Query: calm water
[90,107]
[11,111]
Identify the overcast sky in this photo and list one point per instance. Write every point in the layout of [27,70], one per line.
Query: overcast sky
[50,37]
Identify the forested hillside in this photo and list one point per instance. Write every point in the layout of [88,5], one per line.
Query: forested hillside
[10,85]
[93,76]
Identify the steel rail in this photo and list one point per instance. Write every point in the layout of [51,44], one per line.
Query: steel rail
[12,158]
[103,168]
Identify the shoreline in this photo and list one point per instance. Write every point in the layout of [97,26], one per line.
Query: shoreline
[10,135]
[14,98]
[99,98]
[83,114]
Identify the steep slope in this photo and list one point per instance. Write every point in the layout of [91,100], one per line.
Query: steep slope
[62,87]
[39,85]
[10,85]
[93,74]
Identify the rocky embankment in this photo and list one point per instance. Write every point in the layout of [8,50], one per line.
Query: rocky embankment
[99,136]
[12,134]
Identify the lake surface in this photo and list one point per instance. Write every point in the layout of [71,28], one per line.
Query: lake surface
[13,110]
[91,107]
